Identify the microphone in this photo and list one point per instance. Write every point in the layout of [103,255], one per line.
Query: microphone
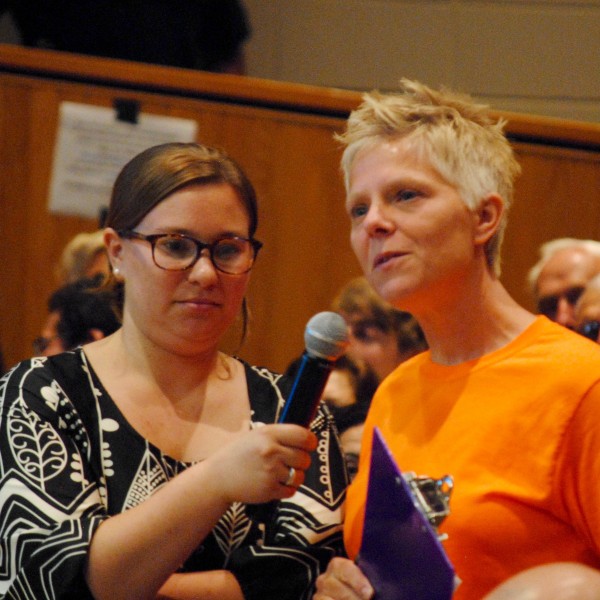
[325,339]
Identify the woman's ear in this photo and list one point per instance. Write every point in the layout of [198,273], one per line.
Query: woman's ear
[488,216]
[114,249]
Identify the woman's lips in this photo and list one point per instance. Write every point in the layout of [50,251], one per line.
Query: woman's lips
[199,302]
[385,257]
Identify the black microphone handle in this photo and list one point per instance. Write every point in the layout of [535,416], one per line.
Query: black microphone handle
[300,408]
[303,400]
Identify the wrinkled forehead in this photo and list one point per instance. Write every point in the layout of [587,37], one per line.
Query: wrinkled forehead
[567,268]
[413,139]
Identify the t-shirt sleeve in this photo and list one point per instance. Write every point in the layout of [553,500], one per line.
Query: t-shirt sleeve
[50,501]
[578,469]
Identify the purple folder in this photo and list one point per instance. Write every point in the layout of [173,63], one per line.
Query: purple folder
[400,551]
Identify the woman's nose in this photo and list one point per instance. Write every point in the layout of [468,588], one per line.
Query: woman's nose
[377,219]
[203,270]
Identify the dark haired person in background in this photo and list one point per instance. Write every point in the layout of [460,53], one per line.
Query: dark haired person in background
[194,34]
[381,336]
[78,313]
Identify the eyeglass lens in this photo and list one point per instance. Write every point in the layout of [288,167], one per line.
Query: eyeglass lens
[230,255]
[590,330]
[548,305]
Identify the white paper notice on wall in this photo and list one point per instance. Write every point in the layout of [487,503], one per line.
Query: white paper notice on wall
[93,144]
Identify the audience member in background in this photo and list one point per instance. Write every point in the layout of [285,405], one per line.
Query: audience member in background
[340,389]
[350,422]
[78,313]
[84,256]
[504,401]
[563,581]
[381,337]
[131,459]
[348,384]
[558,278]
[195,34]
[587,311]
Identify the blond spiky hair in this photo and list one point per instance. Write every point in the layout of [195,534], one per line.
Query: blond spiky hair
[459,137]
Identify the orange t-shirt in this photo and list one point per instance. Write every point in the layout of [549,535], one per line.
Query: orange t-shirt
[519,430]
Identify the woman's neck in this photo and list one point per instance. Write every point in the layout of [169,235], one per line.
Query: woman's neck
[475,321]
[131,357]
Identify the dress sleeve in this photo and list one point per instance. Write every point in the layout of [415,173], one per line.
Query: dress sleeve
[306,529]
[50,497]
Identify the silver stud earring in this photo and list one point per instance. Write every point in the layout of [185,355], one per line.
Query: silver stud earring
[116,271]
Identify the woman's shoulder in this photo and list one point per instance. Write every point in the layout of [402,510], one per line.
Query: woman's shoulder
[266,390]
[40,370]
[40,382]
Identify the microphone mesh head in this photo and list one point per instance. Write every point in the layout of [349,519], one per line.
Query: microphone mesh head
[326,335]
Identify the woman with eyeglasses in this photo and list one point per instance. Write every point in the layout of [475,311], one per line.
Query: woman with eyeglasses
[127,467]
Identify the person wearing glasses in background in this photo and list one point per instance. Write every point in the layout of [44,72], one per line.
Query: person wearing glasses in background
[78,313]
[558,279]
[587,311]
[128,464]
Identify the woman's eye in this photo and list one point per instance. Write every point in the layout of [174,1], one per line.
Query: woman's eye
[177,247]
[358,210]
[405,195]
[228,250]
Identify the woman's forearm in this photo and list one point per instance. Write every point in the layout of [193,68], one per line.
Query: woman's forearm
[133,553]
[209,585]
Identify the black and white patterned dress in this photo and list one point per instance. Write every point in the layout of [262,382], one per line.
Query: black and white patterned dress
[69,460]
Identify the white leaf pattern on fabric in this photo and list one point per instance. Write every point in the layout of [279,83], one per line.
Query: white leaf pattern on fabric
[150,476]
[232,529]
[50,395]
[35,445]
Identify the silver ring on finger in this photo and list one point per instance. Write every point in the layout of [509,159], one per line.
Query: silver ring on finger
[291,476]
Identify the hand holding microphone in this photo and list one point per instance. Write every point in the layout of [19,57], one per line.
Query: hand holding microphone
[325,339]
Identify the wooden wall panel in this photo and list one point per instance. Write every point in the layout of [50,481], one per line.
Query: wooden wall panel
[557,195]
[291,158]
[282,134]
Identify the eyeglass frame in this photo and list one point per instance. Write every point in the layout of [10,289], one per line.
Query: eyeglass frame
[589,329]
[571,295]
[256,245]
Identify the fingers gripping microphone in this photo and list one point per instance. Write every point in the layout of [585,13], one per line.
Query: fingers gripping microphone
[325,339]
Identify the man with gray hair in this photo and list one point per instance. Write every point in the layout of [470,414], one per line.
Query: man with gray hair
[559,277]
